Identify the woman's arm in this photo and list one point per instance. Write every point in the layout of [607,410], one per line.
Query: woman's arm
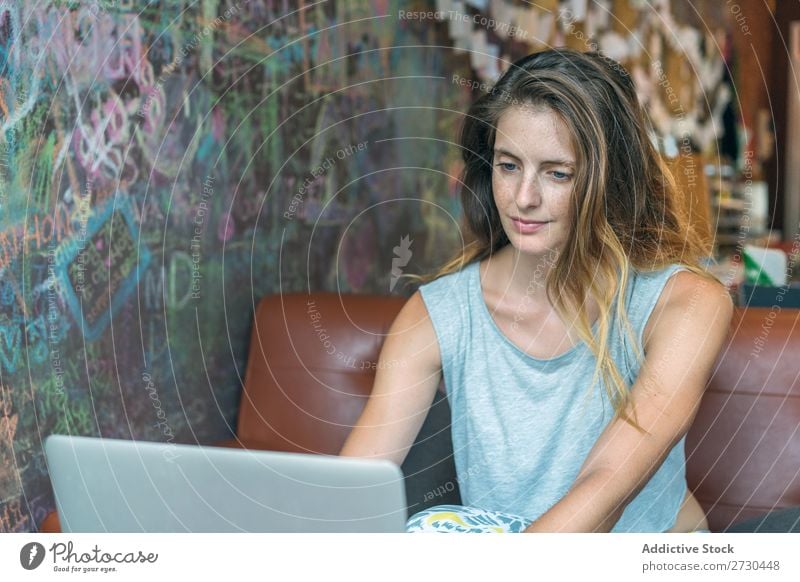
[408,373]
[682,339]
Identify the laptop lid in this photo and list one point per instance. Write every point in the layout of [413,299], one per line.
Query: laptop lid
[128,486]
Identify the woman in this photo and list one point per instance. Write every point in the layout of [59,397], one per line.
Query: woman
[575,335]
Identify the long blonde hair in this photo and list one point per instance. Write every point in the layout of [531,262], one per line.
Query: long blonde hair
[623,212]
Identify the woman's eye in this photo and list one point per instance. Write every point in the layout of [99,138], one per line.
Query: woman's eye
[561,176]
[507,166]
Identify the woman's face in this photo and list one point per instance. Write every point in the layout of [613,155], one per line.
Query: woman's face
[533,170]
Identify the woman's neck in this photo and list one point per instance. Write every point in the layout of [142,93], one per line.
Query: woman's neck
[517,274]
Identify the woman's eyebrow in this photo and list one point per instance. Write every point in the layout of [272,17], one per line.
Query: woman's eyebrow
[505,152]
[568,163]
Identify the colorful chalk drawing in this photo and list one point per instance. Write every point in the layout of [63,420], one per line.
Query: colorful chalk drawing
[107,254]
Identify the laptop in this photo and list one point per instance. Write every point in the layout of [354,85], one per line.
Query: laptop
[111,485]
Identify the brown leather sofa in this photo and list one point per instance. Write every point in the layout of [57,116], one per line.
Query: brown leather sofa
[312,362]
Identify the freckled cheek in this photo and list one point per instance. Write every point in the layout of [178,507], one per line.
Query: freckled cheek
[560,200]
[501,191]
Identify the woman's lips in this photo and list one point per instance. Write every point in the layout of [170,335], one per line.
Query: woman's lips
[527,226]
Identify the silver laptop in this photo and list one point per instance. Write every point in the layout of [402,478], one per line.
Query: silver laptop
[109,485]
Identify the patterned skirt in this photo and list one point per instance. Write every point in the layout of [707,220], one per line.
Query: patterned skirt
[462,519]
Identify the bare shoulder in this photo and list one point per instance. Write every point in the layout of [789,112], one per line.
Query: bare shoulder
[412,335]
[412,314]
[693,303]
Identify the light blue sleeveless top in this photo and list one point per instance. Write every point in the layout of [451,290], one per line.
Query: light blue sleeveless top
[523,426]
